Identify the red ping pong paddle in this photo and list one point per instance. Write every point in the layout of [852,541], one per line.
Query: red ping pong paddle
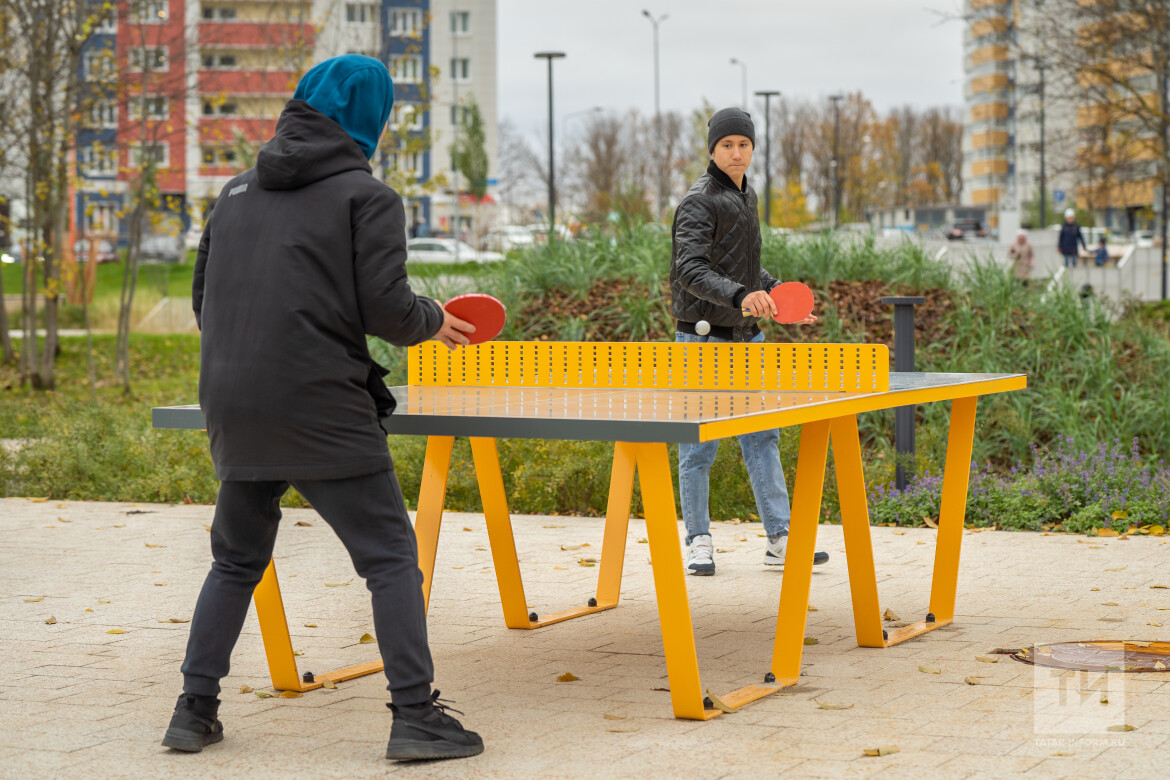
[794,301]
[486,313]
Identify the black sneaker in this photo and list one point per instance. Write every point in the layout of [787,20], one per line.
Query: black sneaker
[426,732]
[194,725]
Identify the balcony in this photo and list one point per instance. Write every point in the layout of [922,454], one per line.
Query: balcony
[219,129]
[247,82]
[251,35]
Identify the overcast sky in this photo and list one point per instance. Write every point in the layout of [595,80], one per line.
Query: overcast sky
[894,51]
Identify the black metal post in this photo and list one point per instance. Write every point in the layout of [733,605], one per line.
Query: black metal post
[836,101]
[552,188]
[903,361]
[767,96]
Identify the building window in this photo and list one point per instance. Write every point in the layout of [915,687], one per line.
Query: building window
[460,22]
[459,114]
[152,58]
[361,13]
[404,21]
[101,218]
[148,11]
[218,156]
[141,154]
[103,113]
[221,107]
[99,160]
[460,69]
[155,105]
[407,70]
[220,12]
[107,24]
[407,116]
[98,65]
[407,163]
[217,61]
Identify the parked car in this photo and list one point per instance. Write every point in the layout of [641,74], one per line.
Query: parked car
[966,228]
[106,252]
[162,248]
[509,237]
[447,250]
[1144,239]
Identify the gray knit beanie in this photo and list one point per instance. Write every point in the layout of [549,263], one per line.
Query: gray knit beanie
[729,121]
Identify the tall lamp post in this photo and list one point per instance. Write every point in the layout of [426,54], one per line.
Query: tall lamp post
[836,101]
[552,188]
[657,111]
[767,95]
[742,65]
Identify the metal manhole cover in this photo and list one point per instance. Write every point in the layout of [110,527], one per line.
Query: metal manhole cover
[1100,656]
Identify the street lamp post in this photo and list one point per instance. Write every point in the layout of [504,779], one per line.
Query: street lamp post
[657,110]
[552,188]
[1165,166]
[742,65]
[836,101]
[1043,168]
[767,95]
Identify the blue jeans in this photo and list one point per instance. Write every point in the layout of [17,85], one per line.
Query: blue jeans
[1070,261]
[761,454]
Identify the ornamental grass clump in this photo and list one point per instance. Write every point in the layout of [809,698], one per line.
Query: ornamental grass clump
[1111,489]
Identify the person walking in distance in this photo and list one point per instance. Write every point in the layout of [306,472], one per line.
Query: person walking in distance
[302,257]
[1070,236]
[715,272]
[1023,257]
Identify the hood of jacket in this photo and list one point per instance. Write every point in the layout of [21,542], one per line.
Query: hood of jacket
[354,91]
[308,147]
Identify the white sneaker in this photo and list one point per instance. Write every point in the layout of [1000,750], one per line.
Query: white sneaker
[701,556]
[774,553]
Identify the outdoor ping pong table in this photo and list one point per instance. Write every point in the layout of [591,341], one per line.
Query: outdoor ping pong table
[644,396]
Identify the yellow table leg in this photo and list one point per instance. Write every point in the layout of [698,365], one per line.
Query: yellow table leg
[953,510]
[431,496]
[674,612]
[867,617]
[802,541]
[499,528]
[617,524]
[282,665]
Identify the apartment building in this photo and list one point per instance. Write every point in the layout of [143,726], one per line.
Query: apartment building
[199,86]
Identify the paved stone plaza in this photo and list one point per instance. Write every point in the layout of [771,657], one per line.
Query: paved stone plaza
[78,701]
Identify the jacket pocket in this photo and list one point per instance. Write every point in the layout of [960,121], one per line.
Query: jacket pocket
[383,401]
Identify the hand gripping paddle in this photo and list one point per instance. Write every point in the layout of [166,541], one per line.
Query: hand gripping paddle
[486,313]
[794,301]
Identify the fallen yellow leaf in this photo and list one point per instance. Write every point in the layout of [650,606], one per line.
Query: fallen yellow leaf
[291,694]
[327,683]
[1155,625]
[263,695]
[568,677]
[974,679]
[33,601]
[90,610]
[103,601]
[890,614]
[1160,587]
[39,500]
[246,689]
[607,716]
[1116,568]
[1109,603]
[310,625]
[881,751]
[621,731]
[1064,754]
[1159,665]
[303,523]
[811,608]
[552,526]
[1121,727]
[898,531]
[929,669]
[51,620]
[337,584]
[154,546]
[720,704]
[586,561]
[643,541]
[63,520]
[827,706]
[987,659]
[176,620]
[557,568]
[116,631]
[365,639]
[811,640]
[571,547]
[1107,532]
[298,652]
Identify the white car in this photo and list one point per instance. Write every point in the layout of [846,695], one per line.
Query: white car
[510,237]
[446,250]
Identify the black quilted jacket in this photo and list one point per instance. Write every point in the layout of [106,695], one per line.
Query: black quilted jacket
[715,258]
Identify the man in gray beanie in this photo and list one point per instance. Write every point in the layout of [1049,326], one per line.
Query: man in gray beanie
[715,273]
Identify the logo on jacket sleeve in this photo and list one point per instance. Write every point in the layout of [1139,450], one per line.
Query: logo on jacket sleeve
[237,190]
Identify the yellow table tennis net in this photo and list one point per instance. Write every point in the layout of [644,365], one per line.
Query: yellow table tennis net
[654,366]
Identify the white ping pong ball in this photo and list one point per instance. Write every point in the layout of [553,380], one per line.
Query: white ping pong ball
[702,327]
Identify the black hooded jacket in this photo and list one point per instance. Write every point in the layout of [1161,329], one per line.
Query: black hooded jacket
[301,258]
[715,257]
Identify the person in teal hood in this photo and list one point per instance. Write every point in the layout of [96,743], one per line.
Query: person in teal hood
[354,91]
[302,258]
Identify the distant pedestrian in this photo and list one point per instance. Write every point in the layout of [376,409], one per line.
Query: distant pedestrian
[1023,257]
[1102,257]
[1070,236]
